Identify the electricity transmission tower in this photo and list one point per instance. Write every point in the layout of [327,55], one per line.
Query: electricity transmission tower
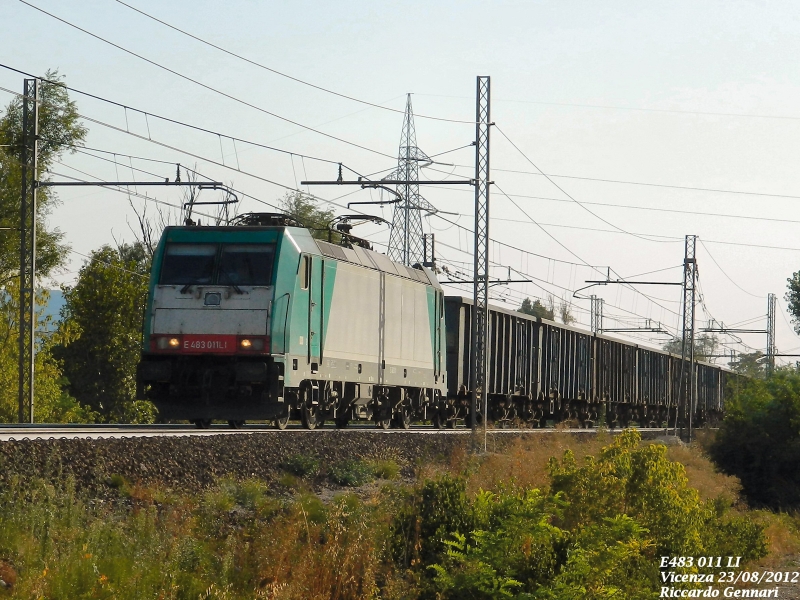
[405,241]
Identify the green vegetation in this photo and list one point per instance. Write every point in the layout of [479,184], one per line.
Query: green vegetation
[60,132]
[593,527]
[351,473]
[301,465]
[759,440]
[101,332]
[537,309]
[705,345]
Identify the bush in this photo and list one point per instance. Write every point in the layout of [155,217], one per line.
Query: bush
[759,440]
[301,465]
[385,469]
[351,473]
[597,533]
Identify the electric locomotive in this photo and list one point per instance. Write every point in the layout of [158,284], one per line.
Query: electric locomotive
[258,320]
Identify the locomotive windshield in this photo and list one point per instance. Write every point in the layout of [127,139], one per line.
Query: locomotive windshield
[220,264]
[242,264]
[188,263]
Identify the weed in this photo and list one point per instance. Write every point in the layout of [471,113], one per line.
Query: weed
[351,473]
[301,465]
[385,469]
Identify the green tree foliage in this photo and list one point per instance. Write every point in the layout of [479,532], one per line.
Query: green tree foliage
[705,345]
[565,313]
[51,402]
[537,309]
[307,212]
[751,364]
[596,534]
[59,132]
[101,330]
[793,298]
[759,440]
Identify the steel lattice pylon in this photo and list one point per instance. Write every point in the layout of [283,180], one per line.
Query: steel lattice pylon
[771,350]
[481,274]
[687,381]
[27,250]
[405,241]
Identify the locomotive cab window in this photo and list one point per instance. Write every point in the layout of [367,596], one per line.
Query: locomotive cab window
[246,264]
[188,264]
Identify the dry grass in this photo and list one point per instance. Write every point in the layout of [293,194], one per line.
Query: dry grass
[524,460]
[703,475]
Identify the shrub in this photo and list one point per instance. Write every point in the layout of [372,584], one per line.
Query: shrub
[385,469]
[351,473]
[759,440]
[301,465]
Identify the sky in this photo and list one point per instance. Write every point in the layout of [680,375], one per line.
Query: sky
[620,103]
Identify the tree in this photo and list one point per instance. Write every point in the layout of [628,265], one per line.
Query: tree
[101,327]
[751,364]
[59,132]
[306,211]
[705,345]
[793,298]
[52,404]
[565,313]
[537,309]
[759,440]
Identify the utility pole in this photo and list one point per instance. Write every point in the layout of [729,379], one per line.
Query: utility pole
[27,248]
[405,239]
[596,314]
[772,302]
[687,384]
[480,309]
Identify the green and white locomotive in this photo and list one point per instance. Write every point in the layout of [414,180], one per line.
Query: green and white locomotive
[259,320]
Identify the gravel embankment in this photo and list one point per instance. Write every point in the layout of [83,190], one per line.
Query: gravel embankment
[192,463]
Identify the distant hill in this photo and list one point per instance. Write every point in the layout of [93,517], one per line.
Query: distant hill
[53,308]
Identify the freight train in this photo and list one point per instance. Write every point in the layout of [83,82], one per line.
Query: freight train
[259,320]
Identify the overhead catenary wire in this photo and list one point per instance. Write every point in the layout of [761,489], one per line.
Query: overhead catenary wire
[281,74]
[563,191]
[204,85]
[714,260]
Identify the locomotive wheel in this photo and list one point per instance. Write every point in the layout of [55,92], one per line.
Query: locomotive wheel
[202,423]
[282,421]
[342,422]
[438,420]
[310,414]
[236,424]
[383,423]
[402,420]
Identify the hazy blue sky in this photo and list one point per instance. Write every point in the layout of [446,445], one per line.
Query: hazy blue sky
[672,60]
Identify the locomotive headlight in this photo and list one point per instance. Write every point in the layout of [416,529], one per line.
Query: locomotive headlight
[251,344]
[167,343]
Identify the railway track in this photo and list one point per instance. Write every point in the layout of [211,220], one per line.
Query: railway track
[46,432]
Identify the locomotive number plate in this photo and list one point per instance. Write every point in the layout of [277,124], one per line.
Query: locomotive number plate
[220,344]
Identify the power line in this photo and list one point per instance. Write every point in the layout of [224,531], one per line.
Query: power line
[169,120]
[714,260]
[563,191]
[276,72]
[631,108]
[632,206]
[203,85]
[643,183]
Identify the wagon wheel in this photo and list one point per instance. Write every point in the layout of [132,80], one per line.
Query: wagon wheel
[202,423]
[236,424]
[439,420]
[310,413]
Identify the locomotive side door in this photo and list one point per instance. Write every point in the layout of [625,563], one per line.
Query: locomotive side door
[315,311]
